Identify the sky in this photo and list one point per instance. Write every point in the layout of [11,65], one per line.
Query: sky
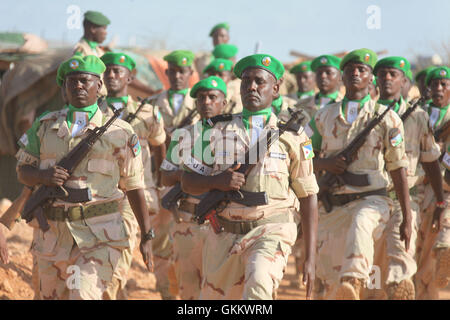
[314,27]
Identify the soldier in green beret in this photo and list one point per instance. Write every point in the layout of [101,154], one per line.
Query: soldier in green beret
[94,25]
[223,68]
[246,260]
[346,234]
[220,33]
[187,153]
[434,244]
[225,51]
[421,149]
[89,236]
[176,107]
[328,80]
[421,84]
[305,79]
[408,85]
[149,127]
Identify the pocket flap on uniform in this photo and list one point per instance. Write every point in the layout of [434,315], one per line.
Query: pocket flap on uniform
[101,165]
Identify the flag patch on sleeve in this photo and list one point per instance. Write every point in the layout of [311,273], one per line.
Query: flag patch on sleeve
[307,149]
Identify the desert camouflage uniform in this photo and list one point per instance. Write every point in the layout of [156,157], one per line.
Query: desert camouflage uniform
[251,265]
[347,234]
[395,262]
[149,127]
[188,237]
[234,102]
[93,246]
[312,104]
[162,222]
[433,251]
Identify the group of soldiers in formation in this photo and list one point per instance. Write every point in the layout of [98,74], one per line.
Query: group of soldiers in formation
[353,184]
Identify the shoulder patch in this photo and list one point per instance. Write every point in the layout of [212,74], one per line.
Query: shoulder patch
[307,149]
[395,137]
[134,144]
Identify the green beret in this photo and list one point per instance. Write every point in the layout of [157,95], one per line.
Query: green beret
[120,59]
[219,65]
[262,61]
[181,58]
[210,83]
[223,25]
[225,51]
[409,75]
[442,72]
[399,63]
[301,67]
[97,18]
[424,72]
[77,64]
[364,56]
[325,60]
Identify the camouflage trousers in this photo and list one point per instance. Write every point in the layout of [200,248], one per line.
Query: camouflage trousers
[429,246]
[188,239]
[248,266]
[346,240]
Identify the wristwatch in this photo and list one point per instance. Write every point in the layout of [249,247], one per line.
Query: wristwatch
[150,235]
[442,204]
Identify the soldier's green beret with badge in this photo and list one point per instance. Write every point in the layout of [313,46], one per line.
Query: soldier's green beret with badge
[301,67]
[398,63]
[225,51]
[218,26]
[325,60]
[437,73]
[78,64]
[423,72]
[210,83]
[120,59]
[180,58]
[262,61]
[219,65]
[364,56]
[97,18]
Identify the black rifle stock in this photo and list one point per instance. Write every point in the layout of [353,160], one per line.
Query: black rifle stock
[133,116]
[45,195]
[328,180]
[216,201]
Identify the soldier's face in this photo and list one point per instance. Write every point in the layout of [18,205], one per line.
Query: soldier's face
[210,103]
[328,79]
[258,89]
[440,92]
[220,36]
[305,81]
[425,91]
[406,88]
[224,75]
[390,81]
[116,78]
[99,33]
[178,76]
[82,89]
[356,76]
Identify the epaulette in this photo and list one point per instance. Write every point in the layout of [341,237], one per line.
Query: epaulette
[221,118]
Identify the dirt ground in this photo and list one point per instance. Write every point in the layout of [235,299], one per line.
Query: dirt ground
[15,277]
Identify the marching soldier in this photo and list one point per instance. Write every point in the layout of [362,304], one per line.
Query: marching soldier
[220,33]
[148,125]
[246,260]
[423,89]
[90,236]
[94,25]
[187,154]
[305,79]
[358,207]
[225,51]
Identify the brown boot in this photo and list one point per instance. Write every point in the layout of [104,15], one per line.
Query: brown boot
[404,290]
[442,267]
[349,288]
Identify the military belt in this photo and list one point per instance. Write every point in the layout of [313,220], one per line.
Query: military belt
[81,212]
[244,226]
[393,194]
[342,199]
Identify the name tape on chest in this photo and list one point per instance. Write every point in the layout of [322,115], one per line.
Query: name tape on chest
[168,166]
[277,155]
[307,150]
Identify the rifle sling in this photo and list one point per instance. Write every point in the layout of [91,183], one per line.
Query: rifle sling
[244,226]
[81,212]
[343,199]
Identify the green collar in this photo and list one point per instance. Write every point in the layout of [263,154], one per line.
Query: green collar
[111,100]
[345,101]
[91,44]
[442,112]
[332,96]
[91,110]
[247,114]
[276,104]
[388,103]
[300,95]
[172,92]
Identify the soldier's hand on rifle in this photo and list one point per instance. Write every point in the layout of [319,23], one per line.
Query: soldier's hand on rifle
[336,165]
[230,179]
[3,249]
[54,176]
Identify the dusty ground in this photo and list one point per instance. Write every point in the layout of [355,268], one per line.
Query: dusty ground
[15,277]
